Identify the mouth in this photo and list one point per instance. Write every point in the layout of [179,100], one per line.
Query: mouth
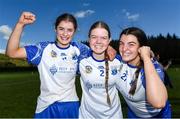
[64,38]
[98,47]
[126,54]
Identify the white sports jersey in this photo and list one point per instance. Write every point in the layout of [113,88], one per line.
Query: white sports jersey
[137,102]
[57,69]
[94,97]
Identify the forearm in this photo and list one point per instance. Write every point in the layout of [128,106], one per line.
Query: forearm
[155,88]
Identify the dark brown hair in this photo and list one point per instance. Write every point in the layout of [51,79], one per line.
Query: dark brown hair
[101,24]
[66,17]
[142,39]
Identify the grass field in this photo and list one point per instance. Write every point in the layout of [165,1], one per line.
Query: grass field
[174,94]
[19,91]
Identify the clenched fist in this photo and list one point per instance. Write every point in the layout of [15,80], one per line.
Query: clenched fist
[26,18]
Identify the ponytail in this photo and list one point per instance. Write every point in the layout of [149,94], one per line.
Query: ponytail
[134,81]
[107,77]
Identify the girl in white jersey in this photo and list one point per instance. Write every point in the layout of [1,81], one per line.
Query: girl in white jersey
[57,66]
[98,78]
[141,78]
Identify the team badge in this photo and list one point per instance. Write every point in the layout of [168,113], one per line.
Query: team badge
[88,85]
[53,54]
[53,69]
[88,69]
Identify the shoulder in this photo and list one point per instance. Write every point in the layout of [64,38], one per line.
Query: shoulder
[79,45]
[39,45]
[76,44]
[157,65]
[118,57]
[86,59]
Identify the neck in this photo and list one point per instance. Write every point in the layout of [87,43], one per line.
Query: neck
[62,45]
[135,62]
[98,56]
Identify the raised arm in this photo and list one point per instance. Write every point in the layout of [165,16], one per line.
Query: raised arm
[155,88]
[13,50]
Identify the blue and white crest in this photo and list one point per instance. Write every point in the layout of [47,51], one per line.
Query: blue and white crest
[53,69]
[88,85]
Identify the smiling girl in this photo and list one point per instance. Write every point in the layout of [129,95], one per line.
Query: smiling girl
[98,78]
[57,64]
[141,78]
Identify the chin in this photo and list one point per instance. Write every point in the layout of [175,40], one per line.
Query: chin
[126,59]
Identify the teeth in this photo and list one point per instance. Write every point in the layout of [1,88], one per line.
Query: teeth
[126,54]
[98,46]
[64,38]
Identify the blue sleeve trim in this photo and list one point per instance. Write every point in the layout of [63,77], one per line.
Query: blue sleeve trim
[118,57]
[34,52]
[159,70]
[85,51]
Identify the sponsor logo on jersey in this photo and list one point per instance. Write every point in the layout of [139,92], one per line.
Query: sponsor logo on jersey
[114,71]
[88,69]
[94,85]
[100,67]
[64,56]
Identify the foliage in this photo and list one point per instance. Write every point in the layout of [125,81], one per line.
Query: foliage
[9,62]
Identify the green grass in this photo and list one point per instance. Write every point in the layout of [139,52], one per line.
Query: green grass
[19,92]
[174,94]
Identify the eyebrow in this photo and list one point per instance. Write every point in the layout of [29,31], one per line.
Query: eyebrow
[128,42]
[100,36]
[132,42]
[60,27]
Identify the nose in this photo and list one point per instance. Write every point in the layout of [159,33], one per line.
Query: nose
[123,47]
[98,40]
[65,32]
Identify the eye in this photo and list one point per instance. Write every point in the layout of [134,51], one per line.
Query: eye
[70,30]
[93,37]
[120,43]
[104,38]
[132,44]
[60,28]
